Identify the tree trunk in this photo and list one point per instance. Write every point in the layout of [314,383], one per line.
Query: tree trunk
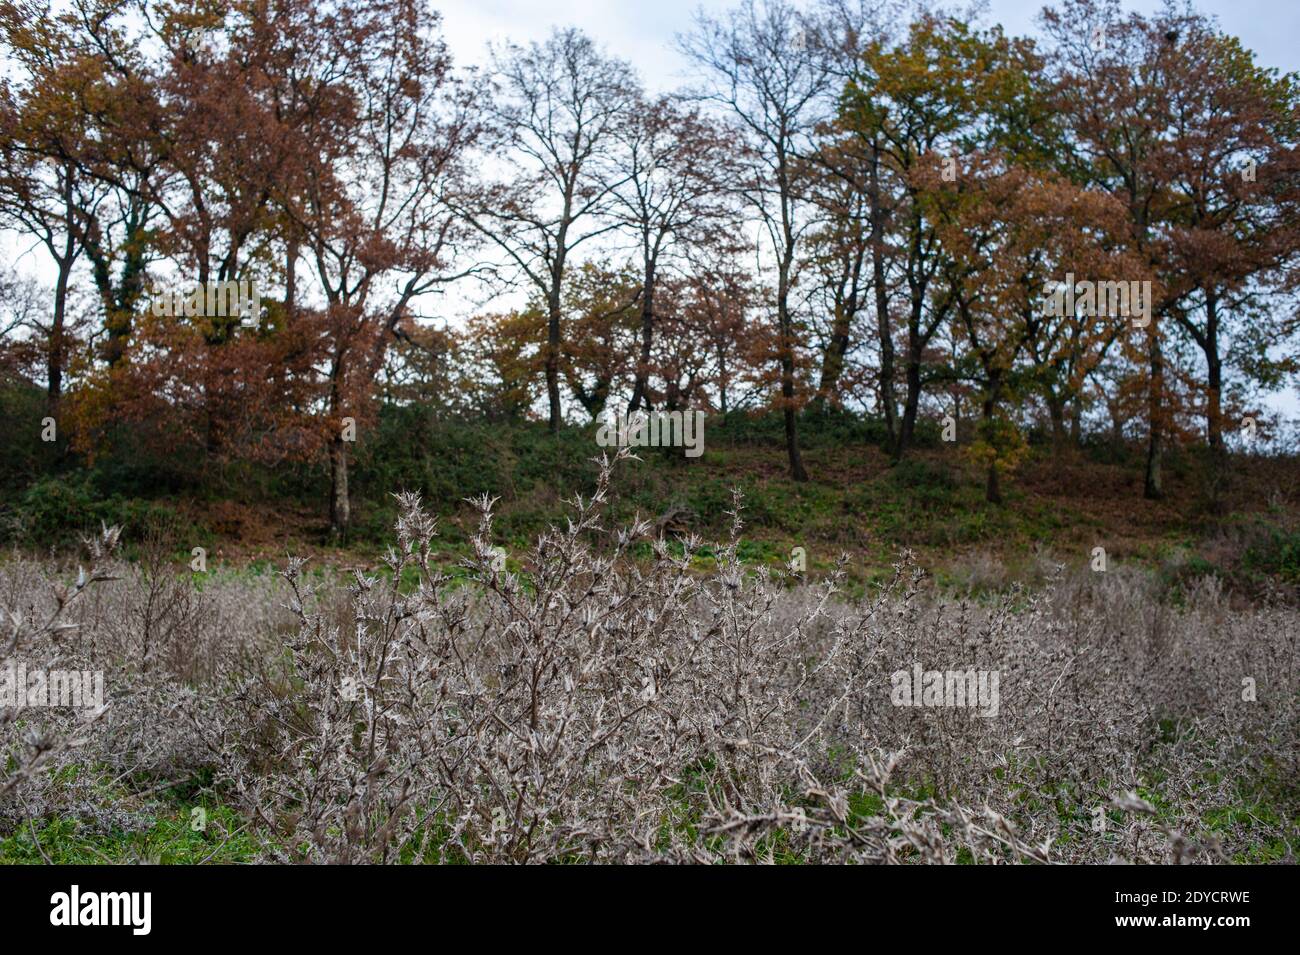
[120,303]
[1154,485]
[992,492]
[54,353]
[1214,365]
[340,507]
[553,357]
[1116,425]
[1056,410]
[647,333]
[291,280]
[884,328]
[833,358]
[722,383]
[554,305]
[1214,404]
[912,402]
[992,489]
[786,329]
[797,471]
[785,326]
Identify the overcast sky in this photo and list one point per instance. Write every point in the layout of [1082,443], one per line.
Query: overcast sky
[642,31]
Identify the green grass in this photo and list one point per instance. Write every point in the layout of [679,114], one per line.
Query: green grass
[165,836]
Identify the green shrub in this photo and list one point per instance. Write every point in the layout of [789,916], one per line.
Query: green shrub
[59,511]
[1276,553]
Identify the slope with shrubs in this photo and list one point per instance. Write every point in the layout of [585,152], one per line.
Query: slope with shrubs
[1059,506]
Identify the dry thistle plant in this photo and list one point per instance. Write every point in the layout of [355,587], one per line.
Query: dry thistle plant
[36,634]
[611,696]
[597,707]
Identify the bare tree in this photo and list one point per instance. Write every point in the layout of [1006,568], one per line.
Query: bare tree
[374,200]
[855,205]
[678,166]
[558,107]
[760,67]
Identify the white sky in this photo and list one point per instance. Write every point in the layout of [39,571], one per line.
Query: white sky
[642,31]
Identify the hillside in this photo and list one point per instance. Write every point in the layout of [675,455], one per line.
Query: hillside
[1058,506]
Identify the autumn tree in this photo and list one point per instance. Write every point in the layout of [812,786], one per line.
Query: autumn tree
[935,93]
[46,190]
[387,134]
[717,299]
[688,375]
[1012,234]
[1232,164]
[106,90]
[1113,82]
[505,362]
[600,325]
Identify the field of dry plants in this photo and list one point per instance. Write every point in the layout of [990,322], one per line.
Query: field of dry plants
[582,705]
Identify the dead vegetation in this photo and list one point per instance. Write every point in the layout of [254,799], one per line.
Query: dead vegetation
[582,705]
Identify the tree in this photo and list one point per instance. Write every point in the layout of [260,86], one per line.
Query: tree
[45,191]
[676,169]
[1112,86]
[760,68]
[850,252]
[840,247]
[1232,165]
[600,304]
[938,92]
[1012,235]
[555,119]
[384,143]
[715,300]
